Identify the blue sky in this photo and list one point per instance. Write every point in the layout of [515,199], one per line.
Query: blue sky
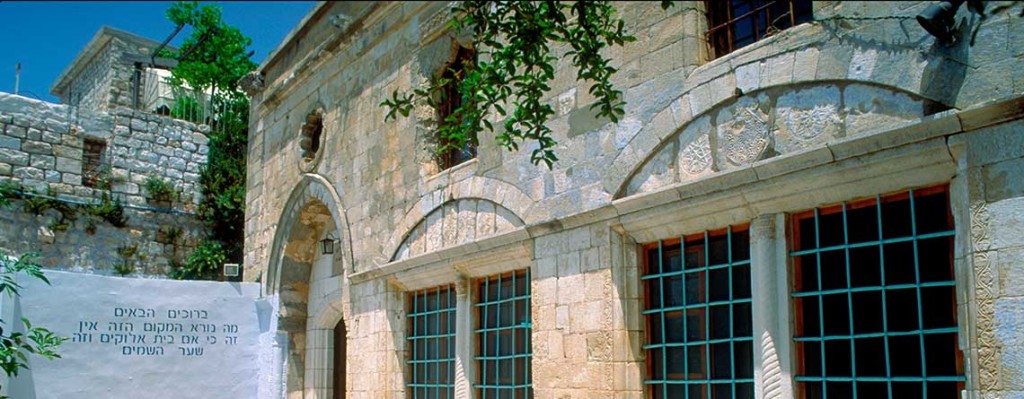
[46,36]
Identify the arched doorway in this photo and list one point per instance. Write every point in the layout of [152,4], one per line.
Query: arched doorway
[310,348]
[339,360]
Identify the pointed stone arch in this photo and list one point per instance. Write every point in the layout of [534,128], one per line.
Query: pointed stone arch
[313,210]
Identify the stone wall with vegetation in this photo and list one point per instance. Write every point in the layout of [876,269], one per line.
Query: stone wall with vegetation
[149,165]
[857,103]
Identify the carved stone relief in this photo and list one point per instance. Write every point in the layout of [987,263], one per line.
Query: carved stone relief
[805,117]
[457,222]
[743,132]
[695,159]
[772,122]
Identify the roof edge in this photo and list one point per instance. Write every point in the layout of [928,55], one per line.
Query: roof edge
[290,36]
[98,41]
[94,45]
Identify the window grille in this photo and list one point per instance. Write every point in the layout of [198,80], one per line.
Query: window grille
[874,295]
[503,336]
[737,23]
[451,100]
[92,165]
[431,341]
[698,316]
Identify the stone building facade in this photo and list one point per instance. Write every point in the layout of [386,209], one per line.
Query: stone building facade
[738,232]
[100,78]
[99,146]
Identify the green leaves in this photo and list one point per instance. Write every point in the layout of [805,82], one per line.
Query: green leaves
[203,263]
[15,347]
[214,55]
[515,68]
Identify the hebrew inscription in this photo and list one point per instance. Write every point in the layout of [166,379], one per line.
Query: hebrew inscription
[150,332]
[140,338]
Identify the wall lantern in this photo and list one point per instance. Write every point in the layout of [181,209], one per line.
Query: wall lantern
[937,19]
[327,244]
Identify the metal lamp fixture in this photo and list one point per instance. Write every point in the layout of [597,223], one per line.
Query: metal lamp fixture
[937,19]
[327,244]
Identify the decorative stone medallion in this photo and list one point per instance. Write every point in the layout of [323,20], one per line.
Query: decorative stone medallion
[744,132]
[806,124]
[695,158]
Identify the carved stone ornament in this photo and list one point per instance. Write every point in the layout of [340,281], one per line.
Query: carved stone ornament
[696,157]
[311,140]
[251,83]
[745,136]
[806,124]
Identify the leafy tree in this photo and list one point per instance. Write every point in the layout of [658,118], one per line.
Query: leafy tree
[15,347]
[212,59]
[214,55]
[515,67]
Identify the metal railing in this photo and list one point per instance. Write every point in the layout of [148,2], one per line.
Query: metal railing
[874,294]
[699,318]
[154,92]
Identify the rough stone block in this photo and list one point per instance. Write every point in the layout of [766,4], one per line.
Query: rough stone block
[37,147]
[1010,264]
[34,134]
[51,137]
[1004,180]
[200,139]
[41,161]
[67,152]
[568,264]
[870,109]
[17,131]
[69,165]
[10,142]
[5,169]
[71,178]
[1007,223]
[28,172]
[13,157]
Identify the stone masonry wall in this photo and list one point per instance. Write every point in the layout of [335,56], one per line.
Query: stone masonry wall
[41,148]
[692,125]
[104,84]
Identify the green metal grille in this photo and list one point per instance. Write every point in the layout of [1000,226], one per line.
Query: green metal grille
[698,316]
[503,337]
[431,341]
[875,299]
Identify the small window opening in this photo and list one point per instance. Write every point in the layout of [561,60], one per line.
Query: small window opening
[450,101]
[92,161]
[737,23]
[875,299]
[309,143]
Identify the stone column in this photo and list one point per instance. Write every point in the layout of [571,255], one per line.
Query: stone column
[773,368]
[465,367]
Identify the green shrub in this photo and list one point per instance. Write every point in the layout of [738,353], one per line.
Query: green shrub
[108,209]
[127,264]
[159,190]
[203,263]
